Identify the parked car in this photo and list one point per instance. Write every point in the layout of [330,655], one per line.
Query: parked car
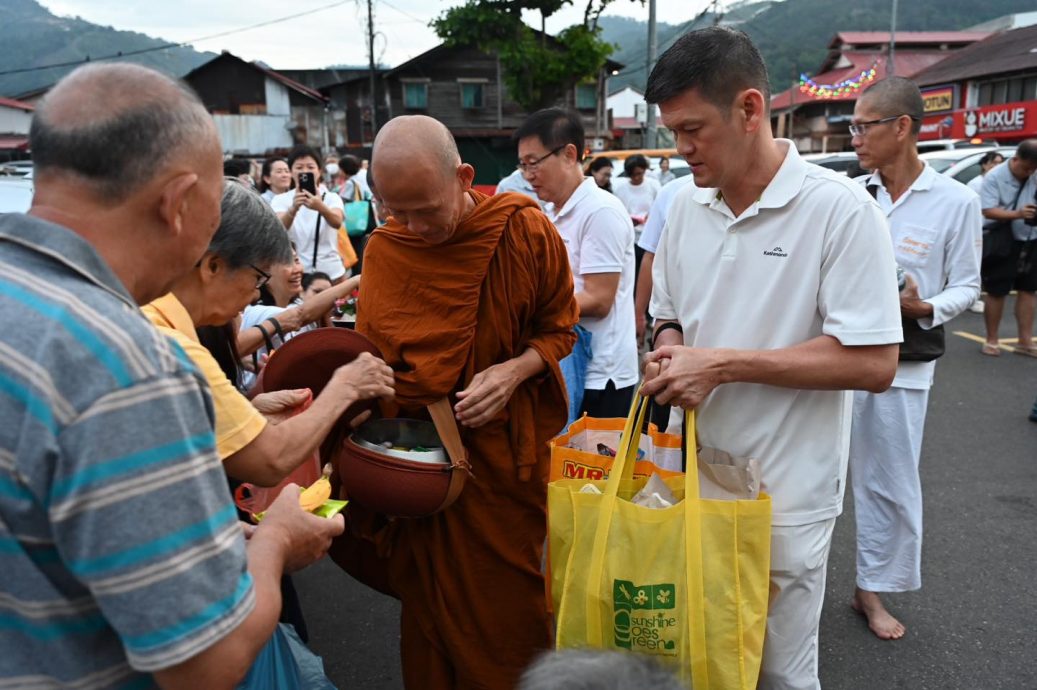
[839,161]
[962,164]
[16,168]
[678,166]
[15,194]
[955,144]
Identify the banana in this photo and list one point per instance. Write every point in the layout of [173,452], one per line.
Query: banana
[313,496]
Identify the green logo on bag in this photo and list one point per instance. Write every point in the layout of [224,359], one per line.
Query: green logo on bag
[652,633]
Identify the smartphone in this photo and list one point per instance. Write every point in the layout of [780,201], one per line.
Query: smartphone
[307,182]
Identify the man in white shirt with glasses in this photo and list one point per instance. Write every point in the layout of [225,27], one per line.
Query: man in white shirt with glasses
[934,225]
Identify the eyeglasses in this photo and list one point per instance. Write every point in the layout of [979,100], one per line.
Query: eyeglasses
[860,129]
[262,279]
[533,165]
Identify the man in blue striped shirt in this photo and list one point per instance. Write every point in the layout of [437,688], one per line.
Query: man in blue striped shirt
[123,563]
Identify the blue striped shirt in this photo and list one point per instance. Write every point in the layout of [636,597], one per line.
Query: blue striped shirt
[119,546]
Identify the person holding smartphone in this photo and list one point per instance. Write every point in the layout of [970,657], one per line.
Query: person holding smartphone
[312,215]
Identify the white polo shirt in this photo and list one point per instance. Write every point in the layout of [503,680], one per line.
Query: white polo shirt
[304,231]
[599,238]
[936,227]
[637,199]
[812,256]
[649,239]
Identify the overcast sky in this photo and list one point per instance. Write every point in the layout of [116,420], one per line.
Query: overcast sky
[329,36]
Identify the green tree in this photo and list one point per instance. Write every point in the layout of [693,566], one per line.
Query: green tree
[536,69]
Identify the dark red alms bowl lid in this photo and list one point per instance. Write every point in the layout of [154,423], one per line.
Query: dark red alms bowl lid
[309,359]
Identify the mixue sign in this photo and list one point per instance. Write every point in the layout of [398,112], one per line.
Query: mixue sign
[1011,121]
[1006,119]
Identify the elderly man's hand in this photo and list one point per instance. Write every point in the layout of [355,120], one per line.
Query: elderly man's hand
[682,376]
[301,538]
[487,394]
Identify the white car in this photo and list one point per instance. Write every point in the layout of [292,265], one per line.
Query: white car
[962,164]
[839,161]
[955,144]
[16,168]
[15,194]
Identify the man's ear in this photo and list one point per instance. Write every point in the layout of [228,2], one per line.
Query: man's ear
[752,106]
[466,175]
[173,201]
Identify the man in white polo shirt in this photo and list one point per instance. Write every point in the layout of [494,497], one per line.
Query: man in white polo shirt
[649,242]
[935,226]
[599,237]
[775,287]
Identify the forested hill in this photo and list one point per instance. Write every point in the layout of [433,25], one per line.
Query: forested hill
[793,34]
[30,36]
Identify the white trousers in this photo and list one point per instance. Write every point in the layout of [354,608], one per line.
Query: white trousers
[885,447]
[799,562]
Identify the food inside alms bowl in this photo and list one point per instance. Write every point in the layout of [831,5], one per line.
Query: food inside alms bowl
[396,467]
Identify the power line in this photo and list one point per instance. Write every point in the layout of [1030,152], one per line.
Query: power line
[405,14]
[670,41]
[168,46]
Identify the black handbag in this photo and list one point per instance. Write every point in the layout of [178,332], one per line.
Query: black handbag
[921,345]
[998,238]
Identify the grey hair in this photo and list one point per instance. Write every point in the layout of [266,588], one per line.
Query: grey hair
[894,96]
[249,232]
[118,151]
[586,669]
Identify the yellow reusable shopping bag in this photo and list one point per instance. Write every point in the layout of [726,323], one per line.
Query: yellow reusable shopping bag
[687,584]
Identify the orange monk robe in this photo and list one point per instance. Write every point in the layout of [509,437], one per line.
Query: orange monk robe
[474,611]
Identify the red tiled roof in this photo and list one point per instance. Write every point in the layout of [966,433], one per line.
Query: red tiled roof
[626,123]
[908,63]
[18,105]
[11,142]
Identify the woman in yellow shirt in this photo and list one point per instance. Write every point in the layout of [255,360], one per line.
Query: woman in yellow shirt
[248,243]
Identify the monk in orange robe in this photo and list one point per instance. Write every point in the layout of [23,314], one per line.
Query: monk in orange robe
[471,297]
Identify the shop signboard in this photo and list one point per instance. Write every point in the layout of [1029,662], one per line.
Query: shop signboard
[1008,121]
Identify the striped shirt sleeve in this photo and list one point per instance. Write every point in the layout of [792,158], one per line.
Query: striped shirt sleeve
[141,514]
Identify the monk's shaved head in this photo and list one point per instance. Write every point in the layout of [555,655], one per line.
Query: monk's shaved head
[115,126]
[418,174]
[412,142]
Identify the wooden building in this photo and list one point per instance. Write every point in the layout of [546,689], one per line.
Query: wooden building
[259,111]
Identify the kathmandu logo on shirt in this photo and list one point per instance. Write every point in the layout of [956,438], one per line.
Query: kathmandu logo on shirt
[777,251]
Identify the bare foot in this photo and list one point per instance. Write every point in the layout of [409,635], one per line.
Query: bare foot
[885,626]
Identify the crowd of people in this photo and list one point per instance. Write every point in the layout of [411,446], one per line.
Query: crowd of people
[799,311]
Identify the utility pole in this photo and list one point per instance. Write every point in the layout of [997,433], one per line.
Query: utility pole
[716,13]
[371,68]
[651,131]
[890,66]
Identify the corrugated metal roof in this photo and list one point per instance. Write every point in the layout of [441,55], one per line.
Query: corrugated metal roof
[1012,51]
[908,37]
